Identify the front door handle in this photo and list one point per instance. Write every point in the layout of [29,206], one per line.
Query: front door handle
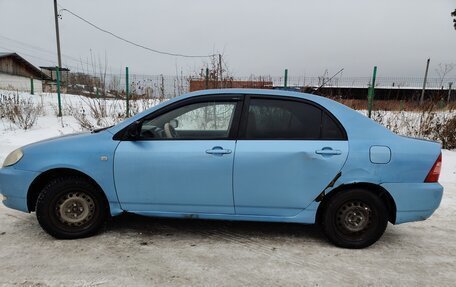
[218,150]
[328,151]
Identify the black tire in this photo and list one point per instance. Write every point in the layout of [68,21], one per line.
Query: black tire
[354,218]
[71,207]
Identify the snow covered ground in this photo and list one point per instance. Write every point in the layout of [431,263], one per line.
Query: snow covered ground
[138,251]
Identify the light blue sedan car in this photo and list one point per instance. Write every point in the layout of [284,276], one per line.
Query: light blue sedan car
[231,154]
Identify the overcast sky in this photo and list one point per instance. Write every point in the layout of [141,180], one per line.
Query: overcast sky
[255,36]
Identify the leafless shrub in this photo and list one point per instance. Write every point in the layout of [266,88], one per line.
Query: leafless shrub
[97,113]
[179,84]
[94,113]
[83,121]
[67,107]
[429,124]
[21,112]
[161,88]
[448,134]
[215,74]
[139,105]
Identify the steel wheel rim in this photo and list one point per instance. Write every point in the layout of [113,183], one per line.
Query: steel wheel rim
[75,209]
[354,217]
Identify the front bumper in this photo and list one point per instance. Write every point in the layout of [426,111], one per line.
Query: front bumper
[14,185]
[414,201]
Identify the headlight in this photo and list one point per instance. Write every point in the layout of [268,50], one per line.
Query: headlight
[13,157]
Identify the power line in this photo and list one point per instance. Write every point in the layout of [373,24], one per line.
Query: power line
[133,43]
[74,68]
[32,47]
[47,60]
[67,57]
[28,45]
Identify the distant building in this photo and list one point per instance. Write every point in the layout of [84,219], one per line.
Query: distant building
[50,83]
[17,74]
[201,84]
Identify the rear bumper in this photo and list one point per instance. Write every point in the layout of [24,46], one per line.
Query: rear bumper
[414,201]
[14,185]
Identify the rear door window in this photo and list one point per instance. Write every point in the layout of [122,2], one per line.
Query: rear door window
[286,119]
[330,130]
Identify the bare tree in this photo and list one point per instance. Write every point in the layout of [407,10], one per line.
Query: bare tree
[179,83]
[102,69]
[323,78]
[443,70]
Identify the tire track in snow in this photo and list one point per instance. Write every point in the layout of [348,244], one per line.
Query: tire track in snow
[259,248]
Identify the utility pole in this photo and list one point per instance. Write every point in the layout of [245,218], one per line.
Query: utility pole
[449,91]
[127,92]
[221,70]
[32,91]
[424,82]
[285,79]
[57,33]
[56,15]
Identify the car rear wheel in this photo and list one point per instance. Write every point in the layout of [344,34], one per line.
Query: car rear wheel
[354,218]
[71,207]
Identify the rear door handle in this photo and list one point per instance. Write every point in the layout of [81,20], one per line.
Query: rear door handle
[328,151]
[218,150]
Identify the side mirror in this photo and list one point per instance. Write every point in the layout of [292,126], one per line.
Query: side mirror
[133,131]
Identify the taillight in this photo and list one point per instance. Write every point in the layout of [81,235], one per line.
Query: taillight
[434,173]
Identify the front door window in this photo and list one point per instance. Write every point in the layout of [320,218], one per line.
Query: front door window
[207,120]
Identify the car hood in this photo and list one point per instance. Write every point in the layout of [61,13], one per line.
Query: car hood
[66,142]
[67,150]
[56,138]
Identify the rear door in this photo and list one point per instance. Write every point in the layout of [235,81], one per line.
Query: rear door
[287,153]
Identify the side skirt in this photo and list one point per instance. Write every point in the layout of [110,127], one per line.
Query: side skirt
[307,216]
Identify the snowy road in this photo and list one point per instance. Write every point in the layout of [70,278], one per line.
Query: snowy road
[137,251]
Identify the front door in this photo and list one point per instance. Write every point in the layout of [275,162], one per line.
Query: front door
[288,153]
[183,160]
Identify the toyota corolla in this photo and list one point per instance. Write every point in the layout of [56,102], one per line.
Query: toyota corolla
[231,154]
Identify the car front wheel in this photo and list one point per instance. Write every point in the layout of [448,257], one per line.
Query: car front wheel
[354,218]
[71,207]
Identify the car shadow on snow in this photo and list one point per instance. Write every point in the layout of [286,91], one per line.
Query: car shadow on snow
[184,228]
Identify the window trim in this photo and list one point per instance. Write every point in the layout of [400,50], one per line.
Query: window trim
[234,128]
[245,113]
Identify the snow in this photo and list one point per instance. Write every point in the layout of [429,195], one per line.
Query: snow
[448,174]
[47,126]
[148,251]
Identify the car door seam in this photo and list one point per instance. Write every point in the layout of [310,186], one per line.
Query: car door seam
[114,175]
[232,176]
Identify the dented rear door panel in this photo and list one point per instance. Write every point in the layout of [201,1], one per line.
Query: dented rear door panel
[282,177]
